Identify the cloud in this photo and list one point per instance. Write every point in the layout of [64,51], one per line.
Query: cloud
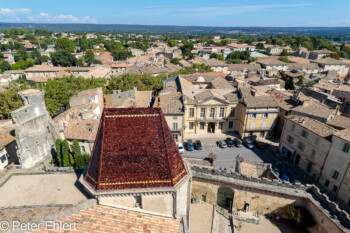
[210,11]
[24,15]
[14,14]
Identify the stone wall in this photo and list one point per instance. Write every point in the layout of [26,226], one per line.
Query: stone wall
[271,196]
[35,131]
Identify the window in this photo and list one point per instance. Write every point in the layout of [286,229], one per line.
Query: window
[175,126]
[232,113]
[191,112]
[222,112]
[275,115]
[301,146]
[83,149]
[346,147]
[313,153]
[202,112]
[204,198]
[335,174]
[304,133]
[265,115]
[253,116]
[175,117]
[293,127]
[175,136]
[230,124]
[212,113]
[309,166]
[335,188]
[340,162]
[137,200]
[326,183]
[201,125]
[252,125]
[221,125]
[317,140]
[191,125]
[263,125]
[290,139]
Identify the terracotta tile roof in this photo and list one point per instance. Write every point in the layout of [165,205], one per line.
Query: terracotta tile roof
[294,59]
[270,62]
[81,129]
[134,148]
[219,73]
[170,101]
[7,133]
[243,67]
[314,126]
[30,214]
[315,109]
[340,122]
[111,219]
[329,61]
[121,65]
[283,99]
[303,65]
[344,134]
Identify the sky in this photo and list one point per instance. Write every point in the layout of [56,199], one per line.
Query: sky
[246,13]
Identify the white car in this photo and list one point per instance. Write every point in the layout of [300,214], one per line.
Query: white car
[181,148]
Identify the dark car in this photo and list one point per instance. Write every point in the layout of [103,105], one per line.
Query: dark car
[229,142]
[259,144]
[198,145]
[248,143]
[238,142]
[190,146]
[222,144]
[285,178]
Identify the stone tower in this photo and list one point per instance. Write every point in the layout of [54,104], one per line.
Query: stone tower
[35,131]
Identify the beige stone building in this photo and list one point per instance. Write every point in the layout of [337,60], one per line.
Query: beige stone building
[210,102]
[255,115]
[171,103]
[306,142]
[336,173]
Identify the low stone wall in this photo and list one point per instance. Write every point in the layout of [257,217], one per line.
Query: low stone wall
[268,196]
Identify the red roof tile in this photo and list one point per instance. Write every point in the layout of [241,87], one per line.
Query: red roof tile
[134,148]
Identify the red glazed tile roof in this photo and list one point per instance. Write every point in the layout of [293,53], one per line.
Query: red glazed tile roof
[134,148]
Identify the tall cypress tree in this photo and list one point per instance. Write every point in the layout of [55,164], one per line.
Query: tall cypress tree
[58,152]
[65,154]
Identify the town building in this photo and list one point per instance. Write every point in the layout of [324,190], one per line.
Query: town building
[255,115]
[336,173]
[306,142]
[210,102]
[8,145]
[319,54]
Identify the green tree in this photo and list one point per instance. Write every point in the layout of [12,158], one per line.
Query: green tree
[301,81]
[172,43]
[284,53]
[76,148]
[65,153]
[284,59]
[4,65]
[58,152]
[175,61]
[63,58]
[259,46]
[121,55]
[65,44]
[89,57]
[290,84]
[187,50]
[234,61]
[9,100]
[24,64]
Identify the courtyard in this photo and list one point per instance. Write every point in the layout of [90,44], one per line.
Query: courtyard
[41,189]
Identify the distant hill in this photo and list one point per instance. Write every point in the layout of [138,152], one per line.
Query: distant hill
[125,28]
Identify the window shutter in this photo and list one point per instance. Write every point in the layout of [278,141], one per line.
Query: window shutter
[341,145]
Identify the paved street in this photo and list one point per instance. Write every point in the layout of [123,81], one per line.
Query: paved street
[225,158]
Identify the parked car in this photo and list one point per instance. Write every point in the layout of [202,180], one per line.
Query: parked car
[198,145]
[276,171]
[238,142]
[229,142]
[222,144]
[248,142]
[285,178]
[296,182]
[181,148]
[190,146]
[259,144]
